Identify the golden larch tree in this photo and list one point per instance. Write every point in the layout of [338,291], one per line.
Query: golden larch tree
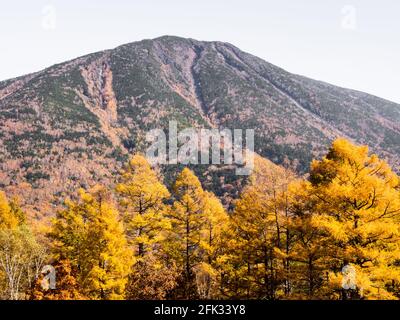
[142,200]
[188,220]
[353,198]
[90,235]
[258,251]
[142,197]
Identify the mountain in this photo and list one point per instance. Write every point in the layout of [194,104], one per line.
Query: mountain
[76,123]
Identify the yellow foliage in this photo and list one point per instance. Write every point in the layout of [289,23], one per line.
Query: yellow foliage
[142,198]
[7,217]
[353,204]
[89,234]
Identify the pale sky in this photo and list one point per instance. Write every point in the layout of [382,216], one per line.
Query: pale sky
[354,43]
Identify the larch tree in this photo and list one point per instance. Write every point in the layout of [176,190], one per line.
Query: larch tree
[7,217]
[258,263]
[215,226]
[154,278]
[188,220]
[355,205]
[90,235]
[142,199]
[308,257]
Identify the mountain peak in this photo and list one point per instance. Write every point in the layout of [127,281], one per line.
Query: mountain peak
[77,122]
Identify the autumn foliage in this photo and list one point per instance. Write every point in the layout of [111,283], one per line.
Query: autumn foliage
[288,237]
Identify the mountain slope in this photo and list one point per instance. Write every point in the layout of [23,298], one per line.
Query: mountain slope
[75,123]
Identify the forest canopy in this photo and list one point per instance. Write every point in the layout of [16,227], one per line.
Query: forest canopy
[287,237]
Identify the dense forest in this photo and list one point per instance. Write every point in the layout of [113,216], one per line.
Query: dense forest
[288,237]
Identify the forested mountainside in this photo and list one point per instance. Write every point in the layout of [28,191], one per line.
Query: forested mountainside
[76,123]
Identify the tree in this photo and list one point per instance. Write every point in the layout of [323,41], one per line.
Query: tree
[188,220]
[258,264]
[67,286]
[309,258]
[7,217]
[353,207]
[207,273]
[89,234]
[142,198]
[154,278]
[21,255]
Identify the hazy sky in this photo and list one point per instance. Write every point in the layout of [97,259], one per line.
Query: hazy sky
[354,43]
